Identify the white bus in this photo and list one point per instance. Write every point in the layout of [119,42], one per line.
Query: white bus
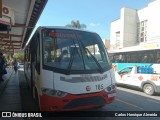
[63,72]
[132,56]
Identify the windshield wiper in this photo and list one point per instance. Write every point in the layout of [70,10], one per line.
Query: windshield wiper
[96,61]
[72,58]
[86,49]
[70,63]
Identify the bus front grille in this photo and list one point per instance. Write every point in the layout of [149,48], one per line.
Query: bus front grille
[84,79]
[96,100]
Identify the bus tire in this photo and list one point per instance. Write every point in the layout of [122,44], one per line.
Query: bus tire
[37,101]
[148,89]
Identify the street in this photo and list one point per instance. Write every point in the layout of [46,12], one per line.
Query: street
[133,100]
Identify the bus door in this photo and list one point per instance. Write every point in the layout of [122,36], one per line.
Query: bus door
[128,76]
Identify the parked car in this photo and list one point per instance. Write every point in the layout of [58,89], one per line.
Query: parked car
[20,65]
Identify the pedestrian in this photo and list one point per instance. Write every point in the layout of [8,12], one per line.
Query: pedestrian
[10,63]
[2,66]
[15,66]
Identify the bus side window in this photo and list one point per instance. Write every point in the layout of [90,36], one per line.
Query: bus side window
[113,59]
[144,59]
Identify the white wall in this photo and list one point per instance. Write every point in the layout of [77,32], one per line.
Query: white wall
[127,25]
[142,14]
[154,20]
[115,27]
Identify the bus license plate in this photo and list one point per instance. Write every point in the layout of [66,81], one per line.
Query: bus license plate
[111,95]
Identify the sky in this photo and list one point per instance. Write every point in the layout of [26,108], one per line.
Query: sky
[97,15]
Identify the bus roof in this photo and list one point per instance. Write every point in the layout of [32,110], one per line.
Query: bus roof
[63,27]
[133,49]
[56,27]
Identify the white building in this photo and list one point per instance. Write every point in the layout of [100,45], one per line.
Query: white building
[137,27]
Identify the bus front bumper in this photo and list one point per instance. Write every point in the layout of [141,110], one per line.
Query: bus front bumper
[76,102]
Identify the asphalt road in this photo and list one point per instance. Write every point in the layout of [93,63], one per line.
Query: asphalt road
[127,100]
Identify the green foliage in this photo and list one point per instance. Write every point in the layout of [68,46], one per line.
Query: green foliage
[76,24]
[19,57]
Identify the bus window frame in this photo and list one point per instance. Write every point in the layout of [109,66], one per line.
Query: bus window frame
[64,71]
[152,56]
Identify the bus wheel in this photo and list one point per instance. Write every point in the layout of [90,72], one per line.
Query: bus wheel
[148,89]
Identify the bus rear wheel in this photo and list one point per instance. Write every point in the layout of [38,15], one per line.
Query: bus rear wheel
[148,89]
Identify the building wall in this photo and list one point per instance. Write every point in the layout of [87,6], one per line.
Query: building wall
[107,44]
[129,25]
[142,14]
[154,21]
[129,29]
[115,27]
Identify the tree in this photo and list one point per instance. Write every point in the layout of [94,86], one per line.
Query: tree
[19,57]
[76,24]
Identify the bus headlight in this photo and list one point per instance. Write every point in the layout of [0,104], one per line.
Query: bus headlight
[113,86]
[110,88]
[60,93]
[52,92]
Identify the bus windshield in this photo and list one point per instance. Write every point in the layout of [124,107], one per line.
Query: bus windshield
[73,50]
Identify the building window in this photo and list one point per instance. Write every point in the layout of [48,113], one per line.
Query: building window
[118,39]
[142,39]
[142,31]
[142,28]
[142,23]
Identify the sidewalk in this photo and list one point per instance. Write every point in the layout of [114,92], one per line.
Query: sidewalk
[6,78]
[10,99]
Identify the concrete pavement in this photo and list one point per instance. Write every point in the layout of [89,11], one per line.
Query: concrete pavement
[10,99]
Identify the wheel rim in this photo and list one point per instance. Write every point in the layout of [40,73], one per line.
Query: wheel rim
[148,90]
